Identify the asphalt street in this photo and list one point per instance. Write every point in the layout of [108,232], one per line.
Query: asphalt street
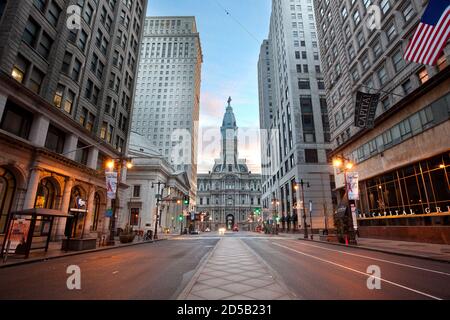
[163,269]
[157,270]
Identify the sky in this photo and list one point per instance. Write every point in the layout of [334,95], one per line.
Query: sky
[230,45]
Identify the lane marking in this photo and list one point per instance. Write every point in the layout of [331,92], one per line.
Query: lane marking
[360,272]
[376,259]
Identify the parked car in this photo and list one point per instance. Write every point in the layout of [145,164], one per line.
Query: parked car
[194,232]
[235,228]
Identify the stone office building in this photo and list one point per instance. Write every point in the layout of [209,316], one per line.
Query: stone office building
[65,101]
[403,162]
[229,194]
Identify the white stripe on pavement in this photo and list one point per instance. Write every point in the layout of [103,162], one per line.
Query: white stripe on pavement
[377,259]
[360,272]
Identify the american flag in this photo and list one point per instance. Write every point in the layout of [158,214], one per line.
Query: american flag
[431,35]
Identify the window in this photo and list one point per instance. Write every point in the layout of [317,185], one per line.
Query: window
[2,7]
[423,75]
[442,63]
[55,139]
[57,99]
[344,12]
[136,191]
[66,63]
[385,6]
[398,61]
[361,39]
[53,13]
[304,84]
[311,156]
[408,12]
[382,75]
[407,86]
[45,45]
[356,18]
[377,48]
[19,69]
[391,32]
[82,152]
[87,15]
[82,40]
[16,120]
[31,32]
[365,63]
[35,81]
[76,70]
[68,104]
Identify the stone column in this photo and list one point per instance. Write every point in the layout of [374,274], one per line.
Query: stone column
[3,100]
[70,144]
[92,158]
[33,183]
[39,129]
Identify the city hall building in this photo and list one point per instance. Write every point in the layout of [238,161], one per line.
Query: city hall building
[229,194]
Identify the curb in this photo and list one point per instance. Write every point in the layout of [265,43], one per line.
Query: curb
[183,295]
[76,253]
[410,255]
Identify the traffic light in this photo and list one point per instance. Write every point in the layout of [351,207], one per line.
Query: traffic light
[180,217]
[186,200]
[257,211]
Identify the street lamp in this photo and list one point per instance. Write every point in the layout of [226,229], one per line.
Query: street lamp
[158,200]
[344,164]
[110,165]
[276,203]
[302,185]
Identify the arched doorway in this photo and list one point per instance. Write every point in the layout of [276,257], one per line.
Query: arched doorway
[7,193]
[77,208]
[230,221]
[45,195]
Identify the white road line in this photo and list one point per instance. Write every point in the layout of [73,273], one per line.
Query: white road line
[360,272]
[376,259]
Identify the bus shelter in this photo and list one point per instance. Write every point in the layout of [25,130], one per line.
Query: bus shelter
[28,230]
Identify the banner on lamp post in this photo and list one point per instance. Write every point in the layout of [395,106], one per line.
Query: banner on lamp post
[111,184]
[352,185]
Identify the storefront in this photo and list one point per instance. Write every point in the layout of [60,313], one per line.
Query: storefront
[411,203]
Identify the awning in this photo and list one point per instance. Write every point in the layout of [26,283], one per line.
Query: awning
[41,212]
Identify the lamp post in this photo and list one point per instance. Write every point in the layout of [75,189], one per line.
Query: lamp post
[110,165]
[302,185]
[275,203]
[158,201]
[345,164]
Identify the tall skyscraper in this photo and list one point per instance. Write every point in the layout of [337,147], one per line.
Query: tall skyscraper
[67,72]
[293,109]
[168,91]
[403,160]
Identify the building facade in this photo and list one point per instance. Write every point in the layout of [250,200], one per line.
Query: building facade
[403,161]
[168,91]
[150,168]
[293,118]
[65,102]
[229,194]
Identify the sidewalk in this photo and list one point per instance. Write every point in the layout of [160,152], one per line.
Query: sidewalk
[234,272]
[54,251]
[430,251]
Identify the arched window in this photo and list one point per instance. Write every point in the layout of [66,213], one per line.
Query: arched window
[96,211]
[7,191]
[46,194]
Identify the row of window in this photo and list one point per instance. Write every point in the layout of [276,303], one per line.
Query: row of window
[426,118]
